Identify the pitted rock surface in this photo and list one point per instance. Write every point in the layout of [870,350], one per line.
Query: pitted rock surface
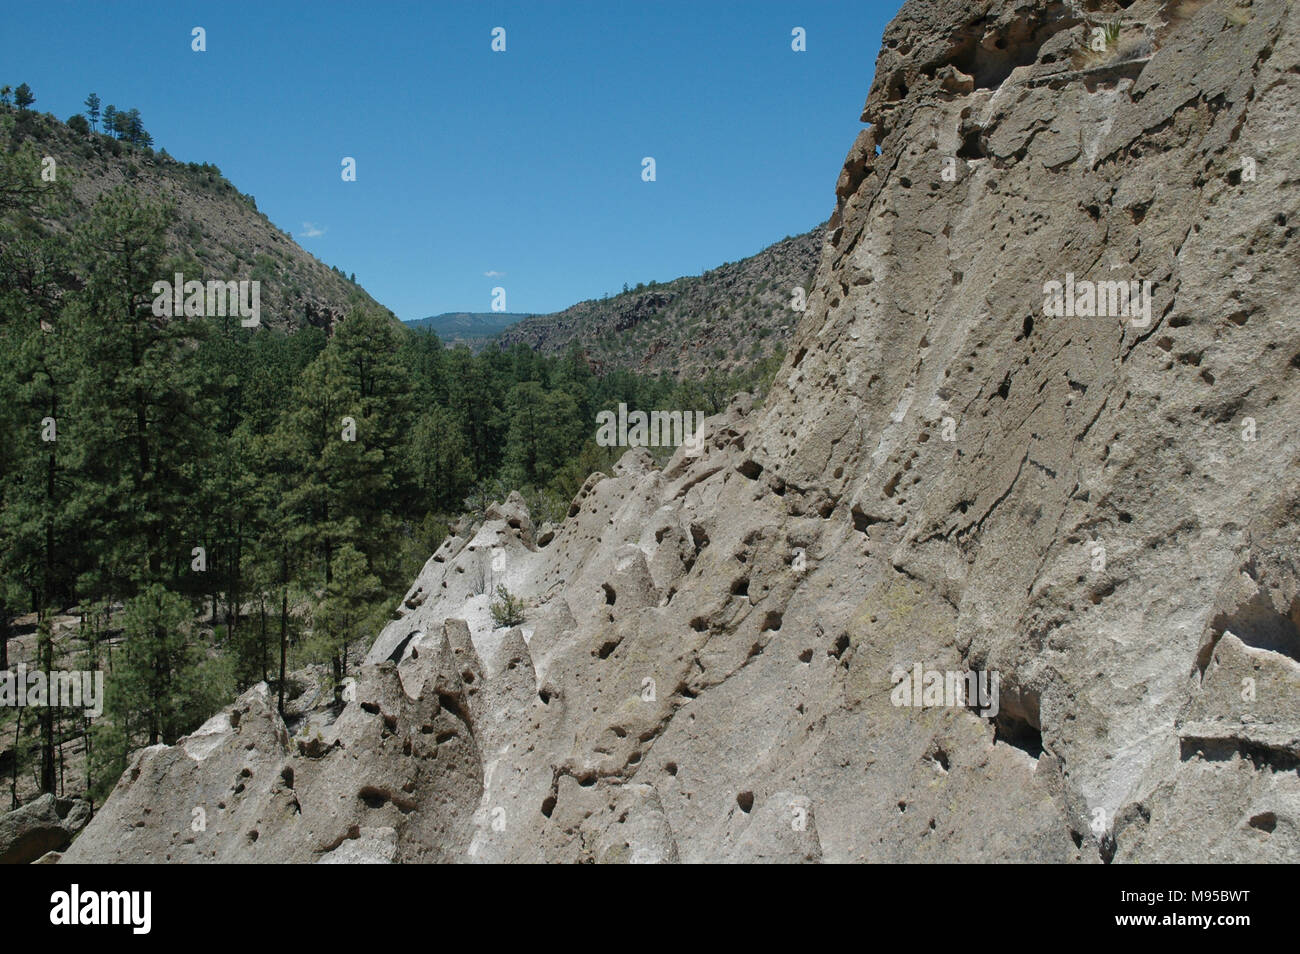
[1101,510]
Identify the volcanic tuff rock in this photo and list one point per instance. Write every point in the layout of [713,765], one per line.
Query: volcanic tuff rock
[705,667]
[45,824]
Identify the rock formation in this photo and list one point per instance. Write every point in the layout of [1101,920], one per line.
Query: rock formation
[41,828]
[1100,510]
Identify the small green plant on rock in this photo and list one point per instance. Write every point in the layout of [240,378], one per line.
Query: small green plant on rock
[507,609]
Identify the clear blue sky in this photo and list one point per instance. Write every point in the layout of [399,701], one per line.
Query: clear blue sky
[526,163]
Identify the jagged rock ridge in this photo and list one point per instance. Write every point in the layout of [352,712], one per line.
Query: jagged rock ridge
[705,668]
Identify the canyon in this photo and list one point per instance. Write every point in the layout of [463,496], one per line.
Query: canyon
[703,672]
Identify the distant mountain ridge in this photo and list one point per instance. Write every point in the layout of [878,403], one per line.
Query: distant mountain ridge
[474,328]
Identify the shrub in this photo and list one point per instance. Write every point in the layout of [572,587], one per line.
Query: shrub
[507,609]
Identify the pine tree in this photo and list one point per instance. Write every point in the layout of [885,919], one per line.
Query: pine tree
[376,484]
[475,402]
[426,358]
[92,110]
[352,600]
[279,548]
[140,404]
[545,431]
[439,463]
[36,560]
[45,659]
[134,128]
[574,376]
[161,686]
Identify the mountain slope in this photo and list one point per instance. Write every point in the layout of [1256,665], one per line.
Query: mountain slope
[727,319]
[216,229]
[1100,511]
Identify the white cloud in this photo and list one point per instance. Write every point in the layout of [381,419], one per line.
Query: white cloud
[311,230]
[493,273]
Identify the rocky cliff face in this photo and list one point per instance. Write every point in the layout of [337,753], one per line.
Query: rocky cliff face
[1102,511]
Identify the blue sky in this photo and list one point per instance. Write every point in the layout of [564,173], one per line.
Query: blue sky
[526,163]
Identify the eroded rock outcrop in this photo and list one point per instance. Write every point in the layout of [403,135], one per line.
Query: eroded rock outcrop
[1102,510]
[41,828]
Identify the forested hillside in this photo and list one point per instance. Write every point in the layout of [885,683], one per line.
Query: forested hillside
[475,329]
[192,505]
[213,230]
